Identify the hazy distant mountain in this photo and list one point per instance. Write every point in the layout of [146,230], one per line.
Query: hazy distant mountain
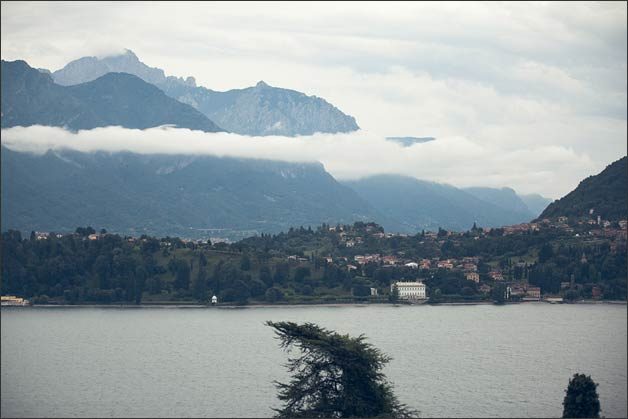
[258,110]
[30,97]
[505,198]
[170,195]
[606,193]
[90,68]
[264,110]
[427,205]
[535,202]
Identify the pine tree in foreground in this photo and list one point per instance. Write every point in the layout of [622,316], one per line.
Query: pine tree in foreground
[334,376]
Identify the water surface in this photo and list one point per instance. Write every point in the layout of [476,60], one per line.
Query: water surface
[448,361]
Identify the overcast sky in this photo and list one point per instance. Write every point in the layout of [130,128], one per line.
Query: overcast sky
[527,95]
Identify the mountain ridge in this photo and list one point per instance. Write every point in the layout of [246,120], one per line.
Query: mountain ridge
[30,97]
[505,198]
[169,194]
[258,110]
[423,205]
[606,193]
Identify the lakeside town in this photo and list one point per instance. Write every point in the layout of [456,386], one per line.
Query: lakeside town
[551,260]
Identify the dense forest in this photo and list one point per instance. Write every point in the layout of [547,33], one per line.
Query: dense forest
[306,265]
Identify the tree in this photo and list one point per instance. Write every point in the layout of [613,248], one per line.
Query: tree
[273,294]
[238,292]
[245,262]
[282,271]
[257,287]
[182,274]
[571,295]
[334,376]
[545,253]
[265,276]
[85,231]
[139,283]
[200,285]
[394,295]
[301,273]
[581,398]
[498,293]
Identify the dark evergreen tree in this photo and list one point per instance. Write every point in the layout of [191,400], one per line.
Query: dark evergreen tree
[498,293]
[581,398]
[245,262]
[273,295]
[200,285]
[334,376]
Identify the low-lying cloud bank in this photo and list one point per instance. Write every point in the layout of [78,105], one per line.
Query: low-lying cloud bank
[550,170]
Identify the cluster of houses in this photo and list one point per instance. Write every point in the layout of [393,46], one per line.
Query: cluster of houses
[469,265]
[43,235]
[12,300]
[416,290]
[520,290]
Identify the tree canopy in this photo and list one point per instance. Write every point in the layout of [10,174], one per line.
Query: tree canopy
[334,376]
[581,398]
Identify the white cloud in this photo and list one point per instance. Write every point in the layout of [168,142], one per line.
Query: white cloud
[546,77]
[456,160]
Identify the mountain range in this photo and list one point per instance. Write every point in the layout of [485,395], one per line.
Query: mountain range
[193,195]
[504,198]
[258,111]
[420,205]
[31,97]
[604,193]
[187,196]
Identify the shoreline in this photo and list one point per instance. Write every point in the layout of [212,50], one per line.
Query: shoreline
[298,305]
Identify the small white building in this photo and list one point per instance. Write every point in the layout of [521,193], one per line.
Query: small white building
[409,290]
[214,300]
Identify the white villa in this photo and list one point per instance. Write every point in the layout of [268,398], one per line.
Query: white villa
[409,290]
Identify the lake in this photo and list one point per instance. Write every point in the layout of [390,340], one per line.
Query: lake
[448,361]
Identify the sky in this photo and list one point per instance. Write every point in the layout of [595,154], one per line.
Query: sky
[527,95]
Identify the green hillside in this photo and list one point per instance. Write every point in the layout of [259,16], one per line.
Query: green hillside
[605,193]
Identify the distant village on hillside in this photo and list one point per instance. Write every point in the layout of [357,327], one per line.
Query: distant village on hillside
[549,259]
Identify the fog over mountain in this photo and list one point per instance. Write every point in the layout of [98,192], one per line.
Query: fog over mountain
[347,156]
[401,204]
[534,93]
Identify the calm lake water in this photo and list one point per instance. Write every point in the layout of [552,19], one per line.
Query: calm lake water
[448,361]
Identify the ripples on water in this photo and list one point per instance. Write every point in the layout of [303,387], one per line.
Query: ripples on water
[448,361]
